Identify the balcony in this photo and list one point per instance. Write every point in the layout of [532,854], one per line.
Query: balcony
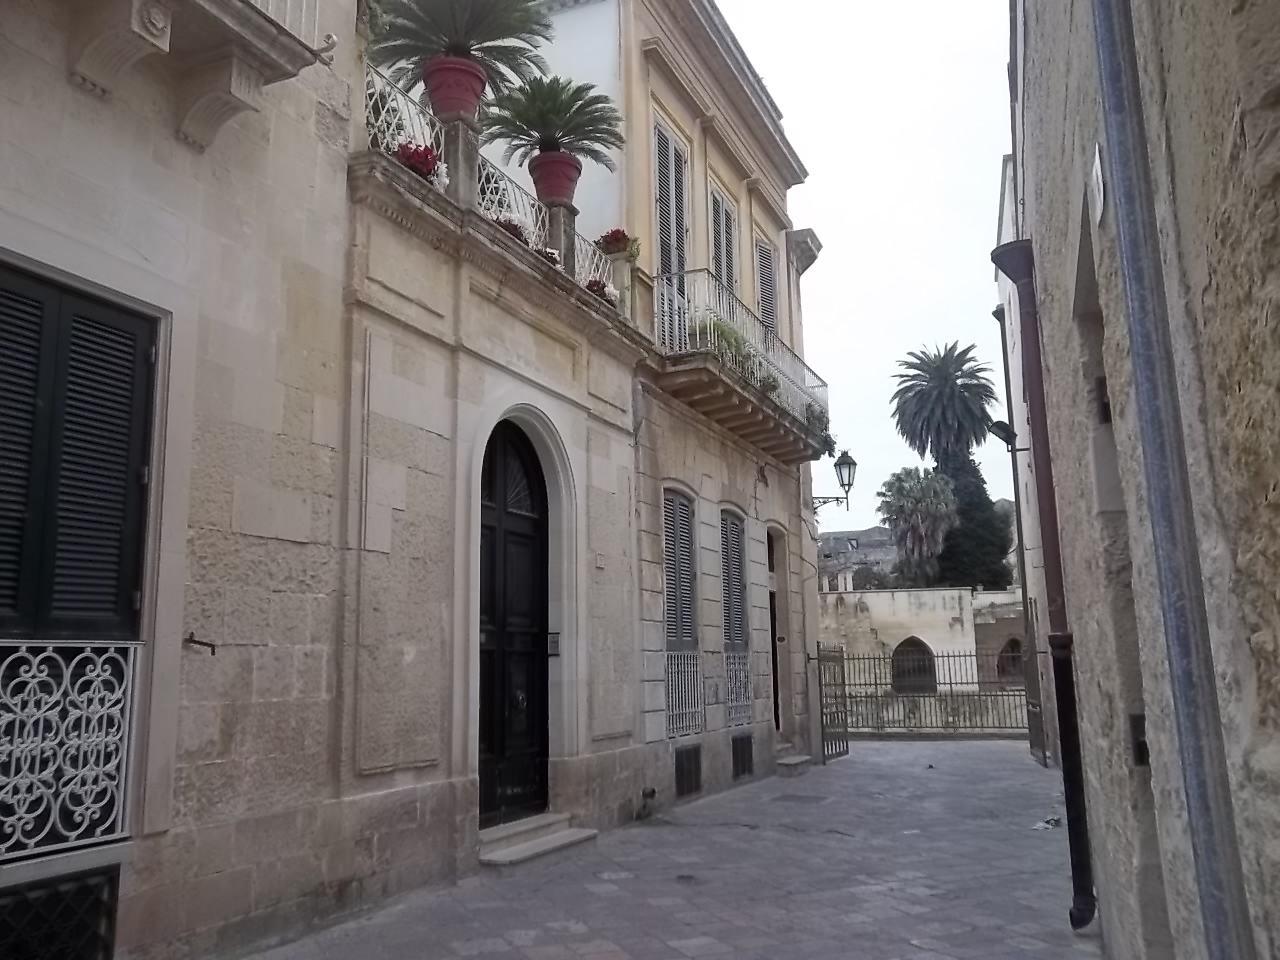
[723,361]
[397,121]
[225,51]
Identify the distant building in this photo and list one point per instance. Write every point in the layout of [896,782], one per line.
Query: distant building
[842,552]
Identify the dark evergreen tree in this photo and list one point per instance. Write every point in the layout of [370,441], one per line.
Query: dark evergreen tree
[975,550]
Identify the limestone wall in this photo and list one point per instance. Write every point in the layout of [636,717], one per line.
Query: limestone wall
[1210,91]
[874,622]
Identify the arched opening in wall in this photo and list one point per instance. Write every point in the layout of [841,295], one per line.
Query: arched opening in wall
[912,668]
[1113,568]
[1009,663]
[514,560]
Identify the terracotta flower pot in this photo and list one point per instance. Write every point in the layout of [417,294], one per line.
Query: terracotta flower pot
[555,176]
[454,86]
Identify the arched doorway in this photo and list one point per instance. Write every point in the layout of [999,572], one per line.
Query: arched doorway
[913,669]
[513,629]
[1009,663]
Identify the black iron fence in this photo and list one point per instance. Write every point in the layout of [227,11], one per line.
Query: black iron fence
[914,690]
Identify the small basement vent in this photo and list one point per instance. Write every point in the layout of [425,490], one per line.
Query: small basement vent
[71,917]
[688,771]
[743,757]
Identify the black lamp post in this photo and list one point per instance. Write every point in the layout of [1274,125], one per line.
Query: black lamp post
[846,467]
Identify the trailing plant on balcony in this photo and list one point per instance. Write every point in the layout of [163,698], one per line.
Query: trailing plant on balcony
[819,421]
[768,384]
[724,340]
[425,162]
[457,48]
[515,226]
[550,123]
[604,290]
[618,241]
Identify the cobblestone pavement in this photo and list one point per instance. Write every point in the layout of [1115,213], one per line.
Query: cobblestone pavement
[911,851]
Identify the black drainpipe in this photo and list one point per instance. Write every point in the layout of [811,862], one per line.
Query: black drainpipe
[1015,261]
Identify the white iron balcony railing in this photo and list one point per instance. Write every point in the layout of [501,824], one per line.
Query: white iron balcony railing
[299,17]
[65,717]
[696,313]
[395,119]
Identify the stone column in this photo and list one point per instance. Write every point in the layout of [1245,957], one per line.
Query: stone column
[622,267]
[462,157]
[562,233]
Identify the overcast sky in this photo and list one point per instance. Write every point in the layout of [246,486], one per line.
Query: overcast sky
[900,112]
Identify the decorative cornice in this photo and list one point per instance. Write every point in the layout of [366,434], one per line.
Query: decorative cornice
[110,36]
[659,53]
[385,187]
[555,6]
[779,210]
[719,130]
[737,75]
[803,247]
[271,48]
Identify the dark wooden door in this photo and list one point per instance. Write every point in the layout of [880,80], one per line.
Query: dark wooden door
[513,630]
[773,646]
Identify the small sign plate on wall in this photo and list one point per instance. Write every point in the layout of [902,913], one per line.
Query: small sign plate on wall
[1097,190]
[553,644]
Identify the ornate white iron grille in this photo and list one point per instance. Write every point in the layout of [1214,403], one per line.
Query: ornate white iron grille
[684,694]
[506,202]
[65,712]
[737,672]
[394,118]
[592,264]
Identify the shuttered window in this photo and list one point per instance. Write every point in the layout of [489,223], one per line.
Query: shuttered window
[671,199]
[677,544]
[75,385]
[767,282]
[724,239]
[733,580]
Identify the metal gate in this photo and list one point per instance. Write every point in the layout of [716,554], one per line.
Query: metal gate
[834,701]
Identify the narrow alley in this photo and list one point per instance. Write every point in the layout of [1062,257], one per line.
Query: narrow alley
[911,851]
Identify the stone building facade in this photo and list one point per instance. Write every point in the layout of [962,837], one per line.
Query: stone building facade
[842,552]
[1210,90]
[372,454]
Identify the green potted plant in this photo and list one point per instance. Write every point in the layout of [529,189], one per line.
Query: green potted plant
[550,123]
[458,47]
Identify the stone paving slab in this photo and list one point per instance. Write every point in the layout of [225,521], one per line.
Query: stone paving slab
[901,851]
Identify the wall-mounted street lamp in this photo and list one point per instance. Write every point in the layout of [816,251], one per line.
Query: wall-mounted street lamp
[846,467]
[1007,435]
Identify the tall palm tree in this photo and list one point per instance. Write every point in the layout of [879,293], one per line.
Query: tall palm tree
[941,402]
[501,36]
[552,114]
[919,507]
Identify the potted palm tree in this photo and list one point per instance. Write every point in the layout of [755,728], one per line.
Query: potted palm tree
[458,47]
[549,123]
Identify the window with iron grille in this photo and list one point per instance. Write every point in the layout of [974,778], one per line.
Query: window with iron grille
[743,756]
[671,169]
[767,282]
[75,397]
[688,771]
[724,239]
[70,917]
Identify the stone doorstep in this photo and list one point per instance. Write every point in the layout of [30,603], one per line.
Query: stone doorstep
[783,748]
[516,853]
[792,766]
[521,831]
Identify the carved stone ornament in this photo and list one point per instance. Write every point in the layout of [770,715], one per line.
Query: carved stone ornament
[110,36]
[215,92]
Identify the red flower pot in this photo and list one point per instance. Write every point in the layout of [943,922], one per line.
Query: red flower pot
[454,86]
[555,176]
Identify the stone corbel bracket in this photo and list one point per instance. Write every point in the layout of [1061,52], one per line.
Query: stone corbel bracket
[110,36]
[214,92]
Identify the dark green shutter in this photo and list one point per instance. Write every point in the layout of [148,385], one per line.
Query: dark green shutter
[28,328]
[75,400]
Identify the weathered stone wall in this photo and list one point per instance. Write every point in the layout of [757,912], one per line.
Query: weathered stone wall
[874,622]
[1210,85]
